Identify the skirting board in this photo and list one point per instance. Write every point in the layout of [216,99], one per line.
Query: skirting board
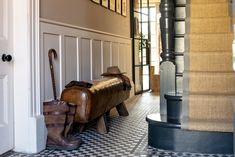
[36,138]
[38,134]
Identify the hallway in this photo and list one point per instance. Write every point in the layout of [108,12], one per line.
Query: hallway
[127,136]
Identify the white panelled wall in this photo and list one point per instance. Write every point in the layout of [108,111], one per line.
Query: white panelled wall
[83,54]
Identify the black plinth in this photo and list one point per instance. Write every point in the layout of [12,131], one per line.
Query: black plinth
[174,107]
[168,136]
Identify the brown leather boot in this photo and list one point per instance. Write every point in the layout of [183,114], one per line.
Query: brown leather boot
[70,119]
[55,113]
[68,130]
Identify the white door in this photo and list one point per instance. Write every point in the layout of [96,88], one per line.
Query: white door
[6,76]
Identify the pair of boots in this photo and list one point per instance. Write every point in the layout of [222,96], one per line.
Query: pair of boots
[59,117]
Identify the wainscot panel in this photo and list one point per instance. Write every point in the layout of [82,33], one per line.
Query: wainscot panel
[83,54]
[50,40]
[96,59]
[85,59]
[115,53]
[71,58]
[107,57]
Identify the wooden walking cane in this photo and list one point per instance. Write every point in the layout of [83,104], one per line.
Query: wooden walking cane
[50,53]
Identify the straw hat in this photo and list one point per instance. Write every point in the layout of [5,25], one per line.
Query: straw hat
[113,70]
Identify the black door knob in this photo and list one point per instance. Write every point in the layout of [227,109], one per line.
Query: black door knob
[6,58]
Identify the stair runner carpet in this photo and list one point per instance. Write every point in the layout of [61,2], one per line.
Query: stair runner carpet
[209,80]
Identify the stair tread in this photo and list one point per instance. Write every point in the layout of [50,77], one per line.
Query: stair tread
[209,61]
[210,108]
[210,72]
[209,10]
[209,18]
[209,25]
[211,93]
[208,53]
[207,1]
[217,95]
[224,126]
[228,34]
[209,42]
[210,82]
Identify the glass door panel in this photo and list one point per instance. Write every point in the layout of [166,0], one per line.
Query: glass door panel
[145,77]
[138,78]
[137,53]
[141,44]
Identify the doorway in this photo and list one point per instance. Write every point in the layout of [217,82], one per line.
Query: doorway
[141,44]
[145,32]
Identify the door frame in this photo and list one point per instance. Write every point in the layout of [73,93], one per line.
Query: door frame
[29,128]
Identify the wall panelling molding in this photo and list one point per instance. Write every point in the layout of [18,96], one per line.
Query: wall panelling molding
[83,54]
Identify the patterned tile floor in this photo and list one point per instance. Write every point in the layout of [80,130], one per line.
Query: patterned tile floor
[127,136]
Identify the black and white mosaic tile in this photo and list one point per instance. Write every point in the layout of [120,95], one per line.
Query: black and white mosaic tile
[127,137]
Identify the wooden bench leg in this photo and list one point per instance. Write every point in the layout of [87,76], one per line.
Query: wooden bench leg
[122,110]
[102,125]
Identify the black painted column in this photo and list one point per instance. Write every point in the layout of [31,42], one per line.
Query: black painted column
[167,66]
[167,21]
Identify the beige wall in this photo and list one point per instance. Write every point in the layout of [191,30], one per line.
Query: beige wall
[85,13]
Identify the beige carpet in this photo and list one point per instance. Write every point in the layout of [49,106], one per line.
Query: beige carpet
[209,81]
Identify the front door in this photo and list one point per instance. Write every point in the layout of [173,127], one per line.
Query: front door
[6,76]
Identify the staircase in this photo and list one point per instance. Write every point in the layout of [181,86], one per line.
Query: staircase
[209,80]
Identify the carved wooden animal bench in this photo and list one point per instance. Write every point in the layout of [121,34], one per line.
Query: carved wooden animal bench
[94,102]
